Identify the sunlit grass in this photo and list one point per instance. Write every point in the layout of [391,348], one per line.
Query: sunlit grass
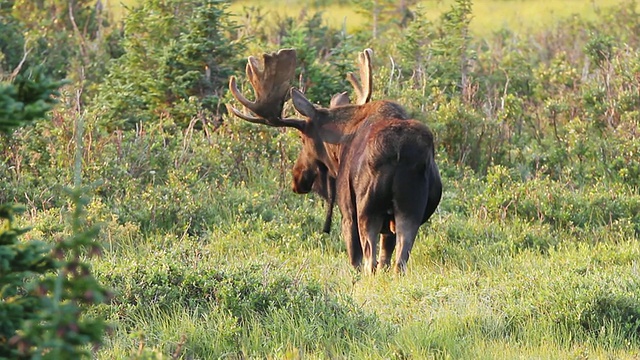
[118,7]
[479,286]
[174,330]
[511,305]
[336,16]
[488,15]
[491,15]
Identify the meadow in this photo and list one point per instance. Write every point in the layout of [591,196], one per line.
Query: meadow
[489,15]
[533,252]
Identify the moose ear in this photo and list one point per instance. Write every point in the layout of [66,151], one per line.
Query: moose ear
[331,133]
[302,105]
[339,99]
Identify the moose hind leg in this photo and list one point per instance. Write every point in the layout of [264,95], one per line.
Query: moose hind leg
[387,245]
[409,206]
[352,240]
[406,231]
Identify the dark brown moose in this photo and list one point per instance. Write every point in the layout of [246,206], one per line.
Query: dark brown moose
[315,176]
[386,178]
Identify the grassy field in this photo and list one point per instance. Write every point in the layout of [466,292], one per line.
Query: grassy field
[489,15]
[533,252]
[243,271]
[239,269]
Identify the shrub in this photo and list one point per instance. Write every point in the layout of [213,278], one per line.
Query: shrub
[46,290]
[177,57]
[28,98]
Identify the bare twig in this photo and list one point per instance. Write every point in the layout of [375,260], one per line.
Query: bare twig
[392,72]
[178,352]
[83,45]
[16,71]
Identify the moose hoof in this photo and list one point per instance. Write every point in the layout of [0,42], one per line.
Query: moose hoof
[384,266]
[370,268]
[401,268]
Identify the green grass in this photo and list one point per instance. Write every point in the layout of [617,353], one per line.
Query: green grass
[257,279]
[476,297]
[489,15]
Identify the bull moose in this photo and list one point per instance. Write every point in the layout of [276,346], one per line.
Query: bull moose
[316,175]
[378,163]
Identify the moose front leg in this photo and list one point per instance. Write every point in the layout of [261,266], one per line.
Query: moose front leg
[330,182]
[347,206]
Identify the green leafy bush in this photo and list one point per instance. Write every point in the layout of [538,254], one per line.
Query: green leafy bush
[177,57]
[29,97]
[46,290]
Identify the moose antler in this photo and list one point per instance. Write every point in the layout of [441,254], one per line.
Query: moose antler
[364,90]
[270,83]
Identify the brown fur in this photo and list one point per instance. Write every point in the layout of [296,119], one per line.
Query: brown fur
[314,175]
[386,177]
[370,157]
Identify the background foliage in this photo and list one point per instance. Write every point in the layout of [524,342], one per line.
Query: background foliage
[45,288]
[533,251]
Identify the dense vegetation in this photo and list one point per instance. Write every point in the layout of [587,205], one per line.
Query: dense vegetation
[533,251]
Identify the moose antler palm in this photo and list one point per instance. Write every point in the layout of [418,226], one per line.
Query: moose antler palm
[270,83]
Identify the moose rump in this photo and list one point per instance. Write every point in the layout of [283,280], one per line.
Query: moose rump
[390,185]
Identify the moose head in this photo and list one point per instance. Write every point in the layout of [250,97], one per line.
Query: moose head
[309,174]
[378,163]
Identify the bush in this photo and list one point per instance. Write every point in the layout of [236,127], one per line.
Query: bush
[175,80]
[28,98]
[46,291]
